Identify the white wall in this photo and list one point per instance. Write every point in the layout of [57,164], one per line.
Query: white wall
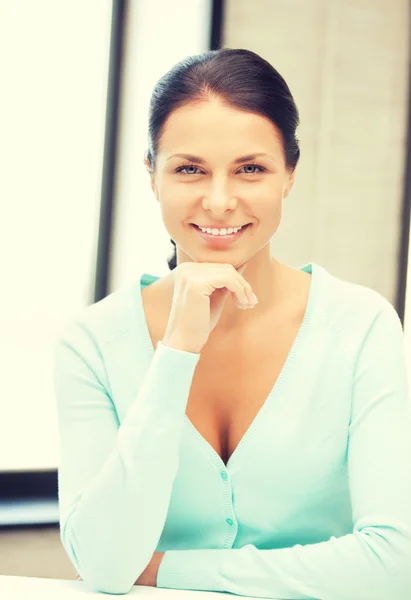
[53,64]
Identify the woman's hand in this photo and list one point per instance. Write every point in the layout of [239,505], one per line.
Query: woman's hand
[149,575]
[200,290]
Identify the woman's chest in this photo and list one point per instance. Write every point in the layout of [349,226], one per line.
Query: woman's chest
[232,383]
[235,375]
[289,468]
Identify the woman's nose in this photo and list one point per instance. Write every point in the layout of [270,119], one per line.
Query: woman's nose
[219,202]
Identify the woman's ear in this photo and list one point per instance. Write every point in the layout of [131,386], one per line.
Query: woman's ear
[289,184]
[152,177]
[154,186]
[148,165]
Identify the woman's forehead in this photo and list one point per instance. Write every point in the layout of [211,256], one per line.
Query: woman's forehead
[205,127]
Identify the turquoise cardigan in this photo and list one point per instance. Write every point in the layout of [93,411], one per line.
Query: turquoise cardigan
[315,502]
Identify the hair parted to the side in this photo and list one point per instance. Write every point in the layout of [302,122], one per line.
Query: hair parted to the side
[240,78]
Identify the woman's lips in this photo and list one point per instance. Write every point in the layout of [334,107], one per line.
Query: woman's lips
[220,241]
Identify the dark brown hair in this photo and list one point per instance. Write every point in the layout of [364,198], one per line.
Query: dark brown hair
[240,78]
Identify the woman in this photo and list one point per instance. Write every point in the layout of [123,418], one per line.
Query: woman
[261,452]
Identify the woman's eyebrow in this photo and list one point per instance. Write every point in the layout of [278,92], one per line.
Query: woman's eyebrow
[199,160]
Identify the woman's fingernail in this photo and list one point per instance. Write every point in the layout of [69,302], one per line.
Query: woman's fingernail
[242,305]
[247,306]
[255,299]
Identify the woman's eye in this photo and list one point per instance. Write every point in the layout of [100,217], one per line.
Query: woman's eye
[184,167]
[181,169]
[261,169]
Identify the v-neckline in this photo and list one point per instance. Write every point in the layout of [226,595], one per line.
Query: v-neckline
[312,268]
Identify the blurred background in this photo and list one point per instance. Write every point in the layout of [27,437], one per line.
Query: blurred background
[78,217]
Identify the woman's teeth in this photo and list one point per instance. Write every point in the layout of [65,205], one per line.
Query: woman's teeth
[219,232]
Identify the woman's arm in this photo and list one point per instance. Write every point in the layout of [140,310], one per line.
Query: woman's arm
[148,577]
[374,561]
[115,481]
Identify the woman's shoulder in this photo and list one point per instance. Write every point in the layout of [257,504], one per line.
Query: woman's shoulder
[351,308]
[109,317]
[355,298]
[147,279]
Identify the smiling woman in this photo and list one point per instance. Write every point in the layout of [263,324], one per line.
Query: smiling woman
[262,452]
[195,106]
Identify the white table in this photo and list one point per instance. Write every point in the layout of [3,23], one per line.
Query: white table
[34,588]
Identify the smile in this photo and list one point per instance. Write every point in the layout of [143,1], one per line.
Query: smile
[220,238]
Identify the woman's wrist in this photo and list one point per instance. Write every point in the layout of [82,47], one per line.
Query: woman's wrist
[157,558]
[149,576]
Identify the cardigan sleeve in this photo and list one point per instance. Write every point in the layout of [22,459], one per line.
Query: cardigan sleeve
[115,481]
[372,562]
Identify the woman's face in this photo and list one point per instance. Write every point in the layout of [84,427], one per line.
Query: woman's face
[213,186]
